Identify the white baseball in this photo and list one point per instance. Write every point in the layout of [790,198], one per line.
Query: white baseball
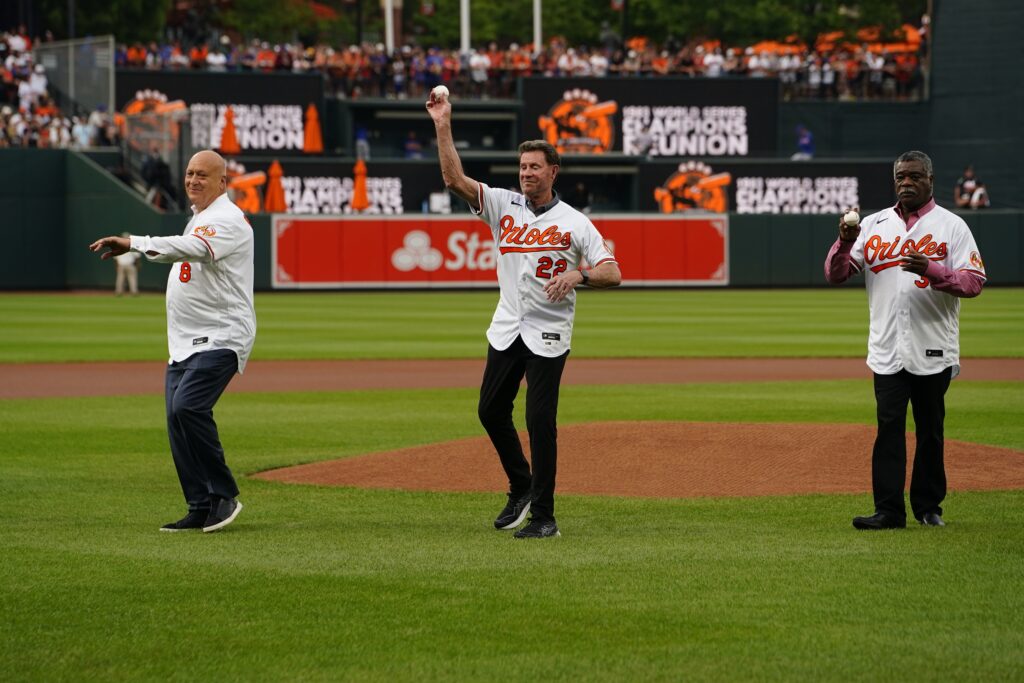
[852,218]
[440,92]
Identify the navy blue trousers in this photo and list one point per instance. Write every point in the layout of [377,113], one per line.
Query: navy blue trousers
[504,371]
[926,394]
[192,388]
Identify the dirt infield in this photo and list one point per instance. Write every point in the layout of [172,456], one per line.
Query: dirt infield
[667,460]
[40,380]
[650,459]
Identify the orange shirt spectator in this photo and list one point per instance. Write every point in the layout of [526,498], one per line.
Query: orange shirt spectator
[265,58]
[136,56]
[660,64]
[197,55]
[522,64]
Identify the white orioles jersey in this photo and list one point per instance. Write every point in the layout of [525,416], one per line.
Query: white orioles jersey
[531,250]
[913,327]
[209,288]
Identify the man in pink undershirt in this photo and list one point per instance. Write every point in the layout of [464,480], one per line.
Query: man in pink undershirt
[918,261]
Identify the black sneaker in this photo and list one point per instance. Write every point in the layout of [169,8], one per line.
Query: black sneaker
[539,528]
[514,512]
[193,521]
[222,513]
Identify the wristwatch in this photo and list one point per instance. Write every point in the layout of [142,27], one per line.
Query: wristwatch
[586,278]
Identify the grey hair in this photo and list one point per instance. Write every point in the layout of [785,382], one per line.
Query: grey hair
[914,156]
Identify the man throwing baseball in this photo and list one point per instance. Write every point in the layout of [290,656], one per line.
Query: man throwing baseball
[545,250]
[211,326]
[918,260]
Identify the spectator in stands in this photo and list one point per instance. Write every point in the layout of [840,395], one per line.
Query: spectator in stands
[969,191]
[217,60]
[804,144]
[479,63]
[580,197]
[156,173]
[413,148]
[81,138]
[362,143]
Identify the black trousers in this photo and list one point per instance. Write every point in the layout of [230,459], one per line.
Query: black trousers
[926,395]
[504,371]
[192,388]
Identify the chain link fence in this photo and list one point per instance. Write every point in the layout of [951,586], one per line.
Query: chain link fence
[80,73]
[157,147]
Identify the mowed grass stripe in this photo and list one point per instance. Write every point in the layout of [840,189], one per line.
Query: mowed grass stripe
[621,323]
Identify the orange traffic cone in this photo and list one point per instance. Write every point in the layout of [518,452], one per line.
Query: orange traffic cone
[228,136]
[274,201]
[313,141]
[360,200]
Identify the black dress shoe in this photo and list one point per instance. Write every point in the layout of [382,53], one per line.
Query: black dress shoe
[879,520]
[932,519]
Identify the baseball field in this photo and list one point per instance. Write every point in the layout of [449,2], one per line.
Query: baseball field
[401,580]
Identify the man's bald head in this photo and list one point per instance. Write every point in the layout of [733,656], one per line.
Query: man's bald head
[205,178]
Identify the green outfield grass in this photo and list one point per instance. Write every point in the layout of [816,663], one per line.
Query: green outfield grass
[620,323]
[327,584]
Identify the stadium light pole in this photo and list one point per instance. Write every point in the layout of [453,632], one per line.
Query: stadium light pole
[71,19]
[389,26]
[464,26]
[536,26]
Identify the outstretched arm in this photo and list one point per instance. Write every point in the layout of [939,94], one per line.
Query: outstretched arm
[160,249]
[455,179]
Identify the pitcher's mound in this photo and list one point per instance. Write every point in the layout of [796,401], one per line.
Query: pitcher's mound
[667,460]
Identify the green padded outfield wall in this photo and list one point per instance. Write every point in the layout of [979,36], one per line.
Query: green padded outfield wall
[977,99]
[98,204]
[789,251]
[32,201]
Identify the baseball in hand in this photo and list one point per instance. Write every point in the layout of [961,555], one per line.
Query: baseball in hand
[440,92]
[852,219]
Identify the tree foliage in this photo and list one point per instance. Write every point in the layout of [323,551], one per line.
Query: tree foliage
[126,20]
[276,21]
[735,22]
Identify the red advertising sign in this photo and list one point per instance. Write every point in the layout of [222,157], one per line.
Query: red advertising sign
[310,252]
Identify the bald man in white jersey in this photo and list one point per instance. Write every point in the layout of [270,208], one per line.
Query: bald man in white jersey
[211,327]
[918,261]
[545,250]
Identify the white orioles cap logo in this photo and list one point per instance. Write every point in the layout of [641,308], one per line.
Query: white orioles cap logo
[416,252]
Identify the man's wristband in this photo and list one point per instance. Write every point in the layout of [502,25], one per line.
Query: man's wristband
[586,278]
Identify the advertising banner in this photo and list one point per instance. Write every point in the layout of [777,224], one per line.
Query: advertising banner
[333,252]
[277,113]
[315,187]
[657,117]
[720,186]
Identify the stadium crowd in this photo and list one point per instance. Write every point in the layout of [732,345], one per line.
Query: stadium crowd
[833,70]
[28,115]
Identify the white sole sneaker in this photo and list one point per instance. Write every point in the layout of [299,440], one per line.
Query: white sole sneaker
[223,523]
[517,521]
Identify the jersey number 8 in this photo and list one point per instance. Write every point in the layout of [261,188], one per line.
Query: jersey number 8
[185,273]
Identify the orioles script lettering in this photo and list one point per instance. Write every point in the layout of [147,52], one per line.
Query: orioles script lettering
[875,249]
[515,238]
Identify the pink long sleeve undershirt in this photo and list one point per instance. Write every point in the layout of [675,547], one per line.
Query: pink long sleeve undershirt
[962,283]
